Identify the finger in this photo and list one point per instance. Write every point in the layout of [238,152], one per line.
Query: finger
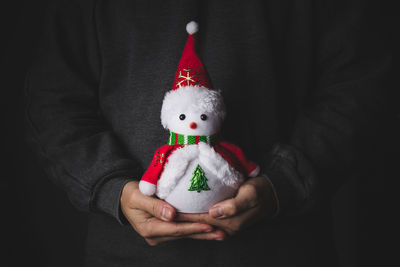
[194,217]
[198,217]
[218,235]
[239,222]
[156,207]
[245,199]
[157,228]
[214,235]
[230,225]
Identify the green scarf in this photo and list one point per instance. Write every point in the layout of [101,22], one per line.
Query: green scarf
[180,139]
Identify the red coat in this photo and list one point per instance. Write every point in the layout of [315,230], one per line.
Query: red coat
[231,153]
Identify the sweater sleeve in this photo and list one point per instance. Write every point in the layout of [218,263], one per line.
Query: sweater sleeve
[65,126]
[333,131]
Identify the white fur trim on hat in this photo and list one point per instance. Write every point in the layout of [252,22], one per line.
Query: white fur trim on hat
[192,27]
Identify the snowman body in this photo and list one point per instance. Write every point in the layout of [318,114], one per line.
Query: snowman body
[177,179]
[194,170]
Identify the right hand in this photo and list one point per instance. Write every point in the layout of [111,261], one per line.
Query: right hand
[153,218]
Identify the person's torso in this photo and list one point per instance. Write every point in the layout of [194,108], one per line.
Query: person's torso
[260,55]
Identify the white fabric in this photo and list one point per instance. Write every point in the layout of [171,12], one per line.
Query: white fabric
[175,169]
[217,165]
[255,172]
[147,188]
[192,27]
[174,183]
[193,101]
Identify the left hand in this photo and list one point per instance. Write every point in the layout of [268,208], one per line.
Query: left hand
[253,202]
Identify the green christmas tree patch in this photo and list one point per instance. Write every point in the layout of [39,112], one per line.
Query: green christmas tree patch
[198,181]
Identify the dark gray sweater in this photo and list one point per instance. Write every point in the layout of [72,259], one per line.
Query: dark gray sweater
[303,82]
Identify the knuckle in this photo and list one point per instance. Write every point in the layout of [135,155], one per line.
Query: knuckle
[177,232]
[134,197]
[230,209]
[145,235]
[251,190]
[128,195]
[131,200]
[146,232]
[202,219]
[234,226]
[252,198]
[155,208]
[138,228]
[151,242]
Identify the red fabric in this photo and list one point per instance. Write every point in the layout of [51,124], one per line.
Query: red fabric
[156,167]
[235,157]
[191,68]
[231,153]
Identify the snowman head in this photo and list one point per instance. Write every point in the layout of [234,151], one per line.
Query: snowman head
[193,110]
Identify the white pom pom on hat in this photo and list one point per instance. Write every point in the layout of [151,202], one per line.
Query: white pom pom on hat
[192,27]
[191,71]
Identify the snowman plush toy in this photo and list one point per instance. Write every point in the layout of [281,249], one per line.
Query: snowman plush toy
[196,169]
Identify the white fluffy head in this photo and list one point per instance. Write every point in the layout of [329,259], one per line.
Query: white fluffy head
[192,27]
[193,102]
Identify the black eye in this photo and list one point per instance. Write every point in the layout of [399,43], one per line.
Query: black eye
[203,117]
[182,117]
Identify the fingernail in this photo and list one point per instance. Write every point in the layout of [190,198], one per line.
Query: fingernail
[219,238]
[166,214]
[216,212]
[208,230]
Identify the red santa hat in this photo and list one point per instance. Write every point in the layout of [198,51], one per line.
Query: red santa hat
[191,71]
[192,83]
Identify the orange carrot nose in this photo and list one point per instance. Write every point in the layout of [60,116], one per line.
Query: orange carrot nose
[193,125]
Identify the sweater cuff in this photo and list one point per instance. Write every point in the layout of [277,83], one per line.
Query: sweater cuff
[277,207]
[107,198]
[293,179]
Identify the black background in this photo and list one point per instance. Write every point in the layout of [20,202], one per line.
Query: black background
[40,227]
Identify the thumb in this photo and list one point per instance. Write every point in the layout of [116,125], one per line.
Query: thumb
[156,207]
[245,199]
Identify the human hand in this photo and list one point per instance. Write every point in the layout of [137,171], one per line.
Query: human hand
[254,201]
[153,219]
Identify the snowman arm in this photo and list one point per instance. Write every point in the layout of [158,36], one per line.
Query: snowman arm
[148,182]
[212,160]
[236,157]
[174,169]
[218,165]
